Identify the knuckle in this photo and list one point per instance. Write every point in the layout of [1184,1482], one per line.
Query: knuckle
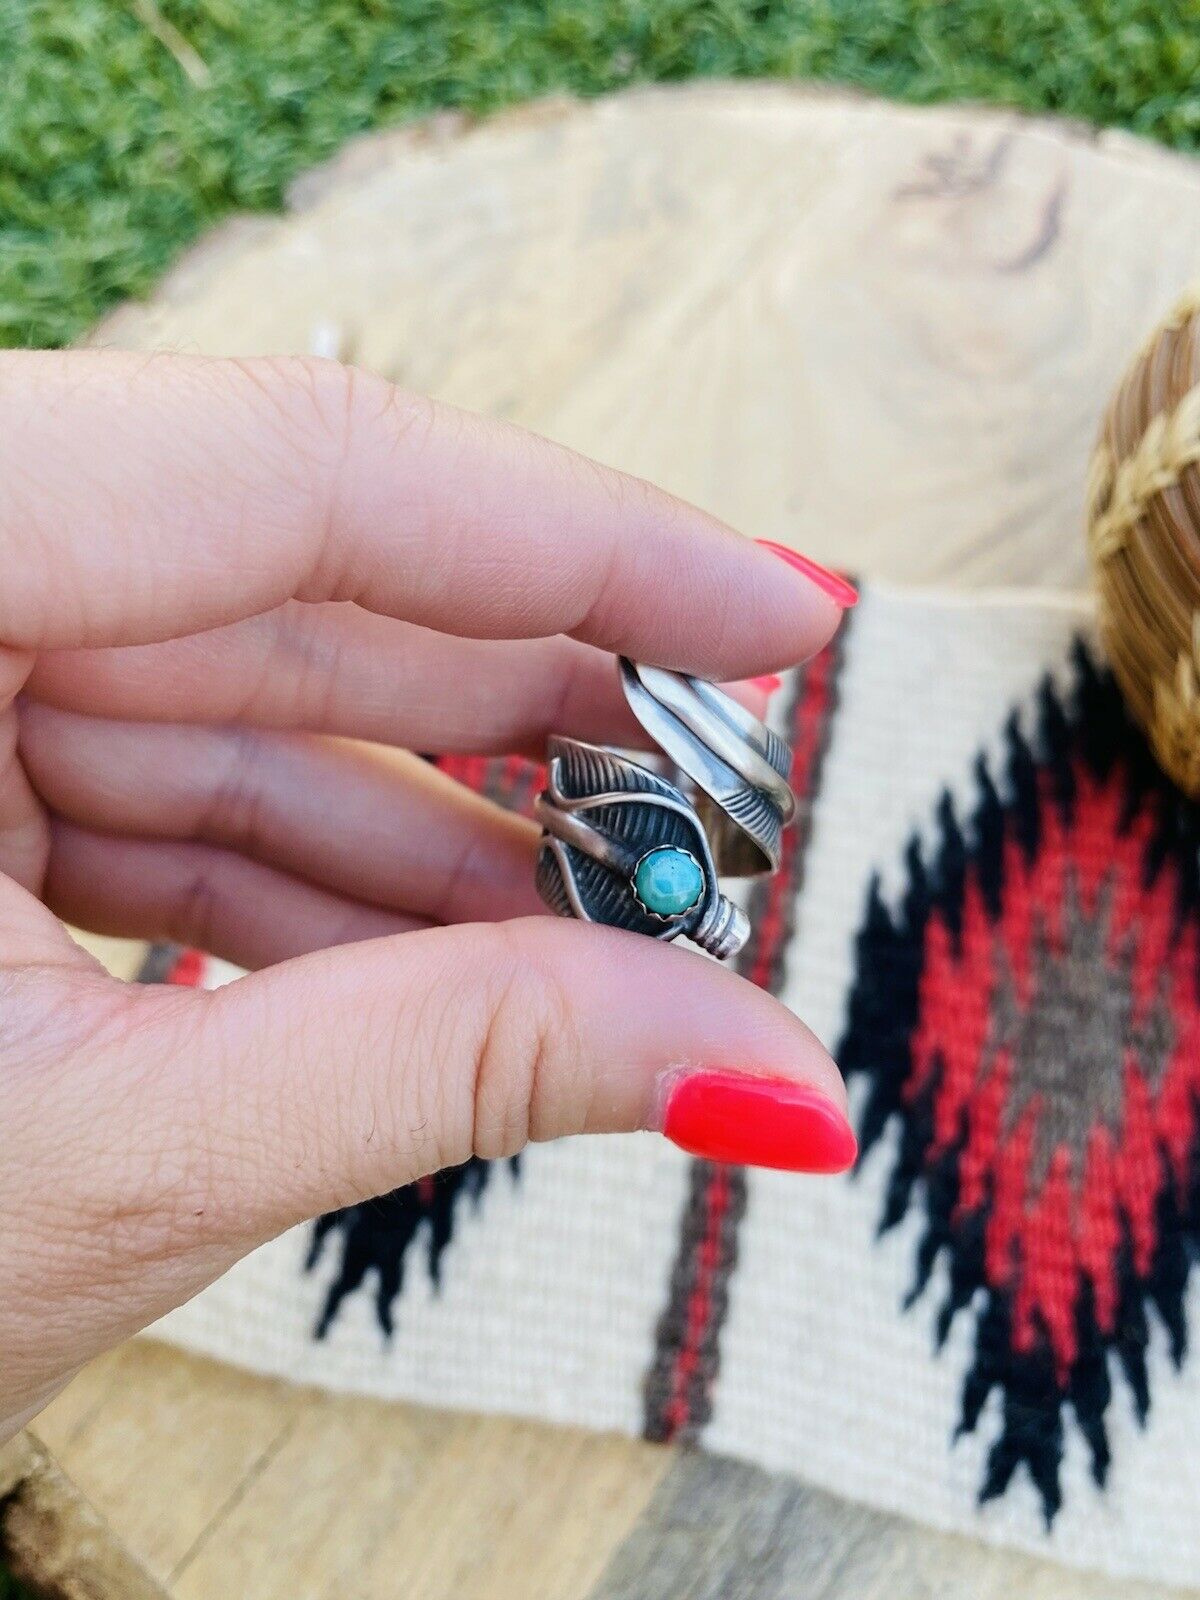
[303,406]
[336,417]
[401,414]
[193,915]
[568,672]
[316,670]
[302,393]
[525,1045]
[323,399]
[233,812]
[338,404]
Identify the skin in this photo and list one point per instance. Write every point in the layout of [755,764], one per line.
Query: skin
[219,578]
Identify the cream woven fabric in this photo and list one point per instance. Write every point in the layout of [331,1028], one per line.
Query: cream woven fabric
[990,913]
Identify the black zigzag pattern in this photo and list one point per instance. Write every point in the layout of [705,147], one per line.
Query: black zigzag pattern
[1089,729]
[374,1238]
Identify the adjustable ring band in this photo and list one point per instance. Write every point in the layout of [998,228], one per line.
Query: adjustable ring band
[729,755]
[627,847]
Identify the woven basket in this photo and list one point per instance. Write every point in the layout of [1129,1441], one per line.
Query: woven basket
[1144,533]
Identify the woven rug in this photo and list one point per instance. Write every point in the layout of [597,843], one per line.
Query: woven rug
[990,911]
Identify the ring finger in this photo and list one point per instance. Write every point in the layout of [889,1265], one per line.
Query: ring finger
[378,826]
[198,894]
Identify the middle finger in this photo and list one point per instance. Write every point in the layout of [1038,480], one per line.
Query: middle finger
[335,668]
[377,825]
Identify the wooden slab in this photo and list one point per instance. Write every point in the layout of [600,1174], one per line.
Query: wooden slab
[883,334]
[225,1484]
[716,1530]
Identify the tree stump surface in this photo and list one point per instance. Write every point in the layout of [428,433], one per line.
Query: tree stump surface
[884,335]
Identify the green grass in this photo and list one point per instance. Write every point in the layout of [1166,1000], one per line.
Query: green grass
[122,139]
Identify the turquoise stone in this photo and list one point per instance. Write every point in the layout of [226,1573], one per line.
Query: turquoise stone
[668,881]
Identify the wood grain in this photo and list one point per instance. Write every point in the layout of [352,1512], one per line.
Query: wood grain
[880,333]
[720,1530]
[55,1538]
[228,1484]
[885,334]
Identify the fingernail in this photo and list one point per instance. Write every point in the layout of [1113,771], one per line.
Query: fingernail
[767,684]
[758,1122]
[835,586]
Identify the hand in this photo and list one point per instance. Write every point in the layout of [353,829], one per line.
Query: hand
[216,576]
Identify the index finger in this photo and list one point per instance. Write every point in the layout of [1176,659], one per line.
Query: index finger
[146,497]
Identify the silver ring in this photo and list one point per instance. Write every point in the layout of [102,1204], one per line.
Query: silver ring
[628,847]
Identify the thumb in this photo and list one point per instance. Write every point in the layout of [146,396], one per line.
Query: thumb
[346,1073]
[163,1132]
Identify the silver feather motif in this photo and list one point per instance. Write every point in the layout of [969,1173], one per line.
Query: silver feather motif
[637,811]
[603,813]
[742,765]
[754,814]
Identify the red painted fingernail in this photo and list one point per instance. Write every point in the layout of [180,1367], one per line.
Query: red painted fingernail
[768,683]
[758,1122]
[835,586]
